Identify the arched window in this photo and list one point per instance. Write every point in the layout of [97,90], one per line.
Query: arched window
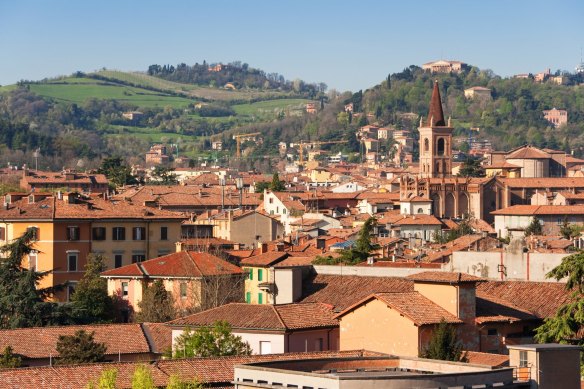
[420,210]
[426,145]
[440,146]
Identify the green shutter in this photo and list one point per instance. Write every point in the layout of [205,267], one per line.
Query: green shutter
[260,278]
[260,298]
[250,274]
[248,297]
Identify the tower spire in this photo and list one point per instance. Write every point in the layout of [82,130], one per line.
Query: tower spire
[436,115]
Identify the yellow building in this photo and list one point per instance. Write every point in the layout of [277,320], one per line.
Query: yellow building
[260,277]
[70,226]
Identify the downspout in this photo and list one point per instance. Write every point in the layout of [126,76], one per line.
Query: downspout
[527,270]
[147,239]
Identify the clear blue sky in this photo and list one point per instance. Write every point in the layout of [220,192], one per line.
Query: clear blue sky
[349,45]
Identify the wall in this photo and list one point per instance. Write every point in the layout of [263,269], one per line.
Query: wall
[251,285]
[375,327]
[288,285]
[445,295]
[516,264]
[305,341]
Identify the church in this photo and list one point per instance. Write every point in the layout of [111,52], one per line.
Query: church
[435,190]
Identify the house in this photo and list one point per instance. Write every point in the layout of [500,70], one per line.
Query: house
[132,115]
[494,313]
[196,280]
[348,187]
[67,180]
[283,205]
[419,228]
[67,227]
[310,108]
[271,329]
[124,342]
[217,145]
[558,117]
[443,66]
[477,92]
[247,227]
[274,277]
[512,221]
[157,155]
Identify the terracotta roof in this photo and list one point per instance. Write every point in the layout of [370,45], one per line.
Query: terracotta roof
[40,342]
[264,317]
[419,219]
[528,152]
[343,291]
[444,277]
[159,336]
[419,309]
[449,224]
[491,309]
[293,261]
[542,299]
[545,183]
[35,177]
[488,359]
[502,165]
[529,210]
[181,264]
[436,115]
[265,259]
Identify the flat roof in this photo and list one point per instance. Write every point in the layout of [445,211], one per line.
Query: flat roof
[544,347]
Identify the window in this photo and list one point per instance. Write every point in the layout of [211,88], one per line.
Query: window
[98,233]
[426,145]
[284,211]
[260,275]
[72,261]
[492,331]
[125,290]
[163,233]
[523,358]
[271,200]
[250,274]
[2,233]
[138,258]
[119,233]
[139,233]
[265,347]
[118,260]
[72,233]
[183,290]
[34,231]
[248,297]
[260,298]
[440,146]
[32,260]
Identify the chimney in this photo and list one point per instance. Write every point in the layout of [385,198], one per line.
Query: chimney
[179,246]
[263,248]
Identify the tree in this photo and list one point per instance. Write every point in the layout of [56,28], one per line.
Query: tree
[260,186]
[107,380]
[534,228]
[21,302]
[9,360]
[215,341]
[444,344]
[142,378]
[359,252]
[472,168]
[157,304]
[79,348]
[174,382]
[565,325]
[277,185]
[569,231]
[116,171]
[163,176]
[91,302]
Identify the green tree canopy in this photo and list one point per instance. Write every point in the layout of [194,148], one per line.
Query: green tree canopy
[116,171]
[472,168]
[157,304]
[534,228]
[359,252]
[91,302]
[142,378]
[565,325]
[21,302]
[79,348]
[444,344]
[277,185]
[9,360]
[212,341]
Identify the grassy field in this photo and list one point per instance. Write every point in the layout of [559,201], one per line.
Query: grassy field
[78,90]
[149,134]
[193,91]
[270,106]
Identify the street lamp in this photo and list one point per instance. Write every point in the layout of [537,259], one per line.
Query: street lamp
[239,185]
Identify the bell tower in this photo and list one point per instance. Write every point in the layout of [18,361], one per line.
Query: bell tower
[435,141]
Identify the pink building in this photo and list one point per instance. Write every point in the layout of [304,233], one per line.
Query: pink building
[558,117]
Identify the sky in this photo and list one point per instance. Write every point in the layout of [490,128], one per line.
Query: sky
[349,45]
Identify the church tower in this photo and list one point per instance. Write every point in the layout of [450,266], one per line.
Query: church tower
[435,141]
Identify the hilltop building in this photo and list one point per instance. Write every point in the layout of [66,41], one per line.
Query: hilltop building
[443,66]
[558,117]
